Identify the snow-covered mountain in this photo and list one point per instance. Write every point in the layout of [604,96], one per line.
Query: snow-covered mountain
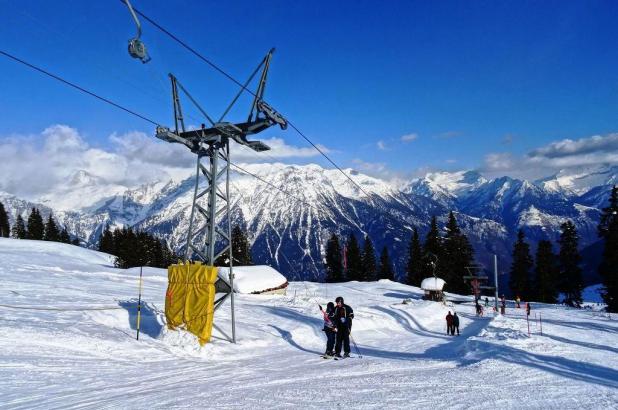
[289,225]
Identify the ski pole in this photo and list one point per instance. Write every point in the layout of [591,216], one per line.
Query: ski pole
[139,302]
[355,345]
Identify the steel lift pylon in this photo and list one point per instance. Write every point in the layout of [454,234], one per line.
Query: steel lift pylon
[206,241]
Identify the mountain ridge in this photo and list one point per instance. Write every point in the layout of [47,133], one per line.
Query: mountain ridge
[289,225]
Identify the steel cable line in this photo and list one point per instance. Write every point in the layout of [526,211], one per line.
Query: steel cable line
[62,80]
[238,83]
[139,116]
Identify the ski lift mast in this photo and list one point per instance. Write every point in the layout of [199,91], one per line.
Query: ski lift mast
[206,241]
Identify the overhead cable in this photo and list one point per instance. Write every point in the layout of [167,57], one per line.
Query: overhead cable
[244,87]
[62,80]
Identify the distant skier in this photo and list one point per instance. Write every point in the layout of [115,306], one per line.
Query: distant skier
[455,323]
[479,309]
[343,320]
[517,300]
[486,301]
[329,328]
[449,324]
[527,309]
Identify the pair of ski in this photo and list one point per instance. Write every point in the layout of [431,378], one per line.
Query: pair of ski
[323,356]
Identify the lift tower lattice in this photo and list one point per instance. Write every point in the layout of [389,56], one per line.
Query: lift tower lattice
[206,240]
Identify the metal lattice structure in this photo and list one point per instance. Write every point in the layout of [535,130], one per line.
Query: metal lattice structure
[206,239]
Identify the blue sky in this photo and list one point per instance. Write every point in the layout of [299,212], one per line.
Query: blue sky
[469,79]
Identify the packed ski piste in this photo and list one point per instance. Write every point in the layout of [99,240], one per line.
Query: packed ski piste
[69,321]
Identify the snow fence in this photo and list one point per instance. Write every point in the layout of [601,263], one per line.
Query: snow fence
[190,298]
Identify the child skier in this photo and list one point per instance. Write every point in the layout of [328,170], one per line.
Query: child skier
[329,328]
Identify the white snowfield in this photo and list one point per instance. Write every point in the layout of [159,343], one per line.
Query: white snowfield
[67,340]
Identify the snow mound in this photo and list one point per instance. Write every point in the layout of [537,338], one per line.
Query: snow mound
[254,279]
[435,284]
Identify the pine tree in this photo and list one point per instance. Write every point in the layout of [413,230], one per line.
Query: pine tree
[334,264]
[36,228]
[519,280]
[370,266]
[608,231]
[415,261]
[571,282]
[546,274]
[51,232]
[386,267]
[240,247]
[75,241]
[106,242]
[354,269]
[240,250]
[432,249]
[19,229]
[457,255]
[5,228]
[64,236]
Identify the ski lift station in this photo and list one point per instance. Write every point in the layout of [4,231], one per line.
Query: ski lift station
[433,288]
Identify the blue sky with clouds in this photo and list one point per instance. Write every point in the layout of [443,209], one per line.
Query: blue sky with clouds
[394,85]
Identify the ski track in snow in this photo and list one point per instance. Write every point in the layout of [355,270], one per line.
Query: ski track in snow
[71,357]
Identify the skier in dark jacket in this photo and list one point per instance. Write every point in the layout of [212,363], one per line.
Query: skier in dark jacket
[329,328]
[343,320]
[449,323]
[455,323]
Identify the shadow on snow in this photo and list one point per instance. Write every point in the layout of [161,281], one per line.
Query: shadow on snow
[149,325]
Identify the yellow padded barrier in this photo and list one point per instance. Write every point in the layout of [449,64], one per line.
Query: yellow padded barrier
[190,298]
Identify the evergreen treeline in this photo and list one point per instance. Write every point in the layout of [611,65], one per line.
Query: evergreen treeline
[241,251]
[136,248]
[348,262]
[5,228]
[608,269]
[34,229]
[447,256]
[541,280]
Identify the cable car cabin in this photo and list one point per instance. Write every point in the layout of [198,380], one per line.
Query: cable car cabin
[433,288]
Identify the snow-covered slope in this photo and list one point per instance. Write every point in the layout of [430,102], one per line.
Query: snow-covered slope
[576,182]
[68,328]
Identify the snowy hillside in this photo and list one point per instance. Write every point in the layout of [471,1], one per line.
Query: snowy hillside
[68,340]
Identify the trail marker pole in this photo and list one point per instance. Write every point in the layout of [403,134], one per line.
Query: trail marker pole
[139,302]
[528,321]
[496,281]
[541,323]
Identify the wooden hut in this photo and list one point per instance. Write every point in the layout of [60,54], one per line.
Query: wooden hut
[433,288]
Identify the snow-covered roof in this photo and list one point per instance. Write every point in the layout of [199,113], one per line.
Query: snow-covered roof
[432,284]
[254,279]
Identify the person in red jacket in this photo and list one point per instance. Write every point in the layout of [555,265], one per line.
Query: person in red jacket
[449,324]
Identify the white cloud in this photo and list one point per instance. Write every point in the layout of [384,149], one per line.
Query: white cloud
[33,166]
[499,161]
[408,137]
[582,150]
[555,156]
[381,145]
